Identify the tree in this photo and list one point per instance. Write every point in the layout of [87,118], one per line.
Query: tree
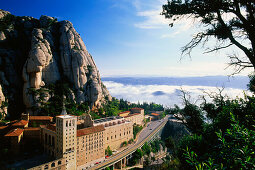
[191,115]
[230,22]
[108,151]
[138,154]
[146,149]
[124,143]
[225,139]
[236,150]
[170,143]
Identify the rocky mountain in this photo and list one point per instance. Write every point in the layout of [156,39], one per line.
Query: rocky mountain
[42,61]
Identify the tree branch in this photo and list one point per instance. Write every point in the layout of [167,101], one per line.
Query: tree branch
[218,48]
[234,41]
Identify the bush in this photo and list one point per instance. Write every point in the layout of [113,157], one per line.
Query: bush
[131,141]
[225,140]
[136,129]
[108,151]
[124,143]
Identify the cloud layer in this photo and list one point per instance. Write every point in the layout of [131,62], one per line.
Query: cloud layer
[163,94]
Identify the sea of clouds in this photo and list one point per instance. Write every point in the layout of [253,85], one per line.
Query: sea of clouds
[168,95]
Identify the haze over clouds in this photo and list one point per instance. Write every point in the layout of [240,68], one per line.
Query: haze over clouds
[168,95]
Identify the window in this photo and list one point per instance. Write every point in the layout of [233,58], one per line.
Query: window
[53,164]
[46,167]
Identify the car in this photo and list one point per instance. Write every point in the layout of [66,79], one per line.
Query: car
[97,162]
[106,157]
[150,128]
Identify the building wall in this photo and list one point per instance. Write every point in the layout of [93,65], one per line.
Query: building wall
[66,131]
[32,133]
[90,147]
[37,123]
[124,114]
[115,135]
[49,141]
[137,119]
[137,110]
[59,164]
[14,143]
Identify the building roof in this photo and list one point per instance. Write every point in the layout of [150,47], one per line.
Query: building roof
[15,132]
[40,118]
[107,119]
[20,123]
[155,114]
[51,127]
[32,128]
[137,108]
[65,116]
[3,127]
[123,112]
[132,115]
[90,130]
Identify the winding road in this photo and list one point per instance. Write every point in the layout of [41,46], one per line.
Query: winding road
[146,134]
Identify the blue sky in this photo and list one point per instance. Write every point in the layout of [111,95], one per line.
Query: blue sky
[128,37]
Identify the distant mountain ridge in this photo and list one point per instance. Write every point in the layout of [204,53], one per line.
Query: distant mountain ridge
[239,82]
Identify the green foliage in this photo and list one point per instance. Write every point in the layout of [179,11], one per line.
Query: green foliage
[6,21]
[4,104]
[108,151]
[125,105]
[109,168]
[170,164]
[236,150]
[34,124]
[162,115]
[169,142]
[146,148]
[175,110]
[94,115]
[225,140]
[136,130]
[193,117]
[124,143]
[75,48]
[90,69]
[54,105]
[147,161]
[130,141]
[112,108]
[155,145]
[251,85]
[51,22]
[138,154]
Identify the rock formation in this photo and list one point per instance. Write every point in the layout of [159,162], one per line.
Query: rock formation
[35,54]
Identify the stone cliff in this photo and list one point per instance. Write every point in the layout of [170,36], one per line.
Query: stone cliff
[37,56]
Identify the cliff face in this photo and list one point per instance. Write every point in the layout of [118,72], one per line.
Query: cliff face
[37,54]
